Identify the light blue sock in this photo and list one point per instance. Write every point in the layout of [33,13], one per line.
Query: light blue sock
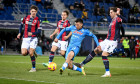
[76,68]
[65,65]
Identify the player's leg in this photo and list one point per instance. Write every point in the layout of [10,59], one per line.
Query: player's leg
[53,49]
[97,50]
[33,60]
[68,59]
[25,46]
[64,45]
[106,64]
[24,51]
[63,53]
[33,45]
[109,47]
[51,56]
[75,68]
[65,65]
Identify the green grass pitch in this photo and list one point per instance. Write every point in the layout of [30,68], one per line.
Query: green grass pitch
[14,70]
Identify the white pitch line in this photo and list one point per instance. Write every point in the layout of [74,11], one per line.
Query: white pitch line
[30,80]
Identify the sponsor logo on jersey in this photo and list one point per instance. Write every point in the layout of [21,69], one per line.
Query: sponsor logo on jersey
[78,32]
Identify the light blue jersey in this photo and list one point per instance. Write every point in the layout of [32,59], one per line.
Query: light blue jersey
[76,38]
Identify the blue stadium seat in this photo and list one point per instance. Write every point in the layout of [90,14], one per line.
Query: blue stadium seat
[49,15]
[49,10]
[42,15]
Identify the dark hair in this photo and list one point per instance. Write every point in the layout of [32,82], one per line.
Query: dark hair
[34,7]
[114,9]
[66,12]
[79,20]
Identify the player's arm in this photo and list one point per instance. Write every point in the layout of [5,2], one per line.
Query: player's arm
[38,31]
[94,37]
[20,28]
[62,31]
[55,32]
[119,15]
[123,31]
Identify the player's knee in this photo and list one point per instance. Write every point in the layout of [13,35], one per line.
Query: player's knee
[62,53]
[31,53]
[24,53]
[52,50]
[97,50]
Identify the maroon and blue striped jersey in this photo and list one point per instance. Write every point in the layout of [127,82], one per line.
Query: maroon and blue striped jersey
[114,29]
[31,25]
[61,25]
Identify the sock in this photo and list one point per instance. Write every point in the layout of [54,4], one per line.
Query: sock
[88,58]
[75,68]
[33,61]
[106,63]
[65,65]
[51,57]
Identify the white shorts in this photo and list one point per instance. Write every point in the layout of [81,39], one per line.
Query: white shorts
[108,45]
[61,44]
[30,42]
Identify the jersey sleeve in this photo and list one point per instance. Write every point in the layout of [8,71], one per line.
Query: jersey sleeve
[123,19]
[23,21]
[88,33]
[119,19]
[39,24]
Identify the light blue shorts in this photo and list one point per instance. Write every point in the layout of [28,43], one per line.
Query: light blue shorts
[74,49]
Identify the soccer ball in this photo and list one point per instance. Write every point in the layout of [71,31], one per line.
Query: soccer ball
[52,66]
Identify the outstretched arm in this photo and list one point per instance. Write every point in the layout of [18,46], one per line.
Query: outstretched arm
[20,28]
[55,32]
[95,38]
[119,15]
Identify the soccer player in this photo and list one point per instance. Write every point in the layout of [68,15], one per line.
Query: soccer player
[31,31]
[63,40]
[110,43]
[78,34]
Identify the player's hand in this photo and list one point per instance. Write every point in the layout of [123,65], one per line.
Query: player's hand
[29,33]
[51,36]
[66,37]
[118,11]
[18,36]
[56,40]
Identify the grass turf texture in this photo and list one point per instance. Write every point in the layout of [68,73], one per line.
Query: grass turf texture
[14,70]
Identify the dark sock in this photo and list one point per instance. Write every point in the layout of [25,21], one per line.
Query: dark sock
[33,61]
[51,56]
[89,57]
[106,62]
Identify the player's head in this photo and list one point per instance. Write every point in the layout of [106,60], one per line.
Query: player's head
[64,15]
[33,10]
[113,12]
[79,23]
